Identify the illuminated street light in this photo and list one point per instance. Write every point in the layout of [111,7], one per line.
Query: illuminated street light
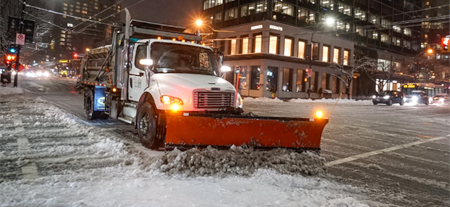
[199,22]
[430,51]
[87,49]
[329,21]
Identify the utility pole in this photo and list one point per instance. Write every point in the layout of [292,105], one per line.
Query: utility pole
[21,26]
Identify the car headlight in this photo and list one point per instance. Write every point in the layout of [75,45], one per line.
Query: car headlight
[386,97]
[13,73]
[39,73]
[374,96]
[239,101]
[415,98]
[46,74]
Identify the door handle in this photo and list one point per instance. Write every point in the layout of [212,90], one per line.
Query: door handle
[141,74]
[131,83]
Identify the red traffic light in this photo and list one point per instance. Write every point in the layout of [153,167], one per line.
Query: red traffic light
[445,40]
[75,55]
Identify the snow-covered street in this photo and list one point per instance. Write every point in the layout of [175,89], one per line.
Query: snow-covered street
[49,157]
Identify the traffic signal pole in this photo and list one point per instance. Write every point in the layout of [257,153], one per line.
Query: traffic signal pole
[16,76]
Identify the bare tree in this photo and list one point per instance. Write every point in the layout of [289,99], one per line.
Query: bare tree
[345,73]
[12,8]
[383,72]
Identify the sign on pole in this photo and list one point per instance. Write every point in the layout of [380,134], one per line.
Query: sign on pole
[20,39]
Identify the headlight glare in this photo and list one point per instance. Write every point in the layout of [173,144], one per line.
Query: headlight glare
[171,100]
[386,97]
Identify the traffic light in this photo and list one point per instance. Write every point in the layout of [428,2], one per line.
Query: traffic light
[444,44]
[12,49]
[75,55]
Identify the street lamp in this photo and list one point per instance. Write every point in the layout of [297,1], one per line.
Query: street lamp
[430,51]
[87,49]
[329,21]
[199,22]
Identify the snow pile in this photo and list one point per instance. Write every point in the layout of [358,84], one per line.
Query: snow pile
[10,91]
[237,161]
[262,99]
[299,100]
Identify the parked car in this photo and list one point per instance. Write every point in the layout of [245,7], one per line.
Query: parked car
[418,97]
[389,98]
[441,98]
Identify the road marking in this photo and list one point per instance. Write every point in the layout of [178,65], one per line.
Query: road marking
[28,171]
[368,154]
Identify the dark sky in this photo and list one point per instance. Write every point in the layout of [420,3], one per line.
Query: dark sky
[174,12]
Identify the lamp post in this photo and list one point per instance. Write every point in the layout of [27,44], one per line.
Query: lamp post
[329,21]
[417,70]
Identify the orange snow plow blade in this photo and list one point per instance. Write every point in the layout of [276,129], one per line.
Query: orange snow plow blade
[222,131]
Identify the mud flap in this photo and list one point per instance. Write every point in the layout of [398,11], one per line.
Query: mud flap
[222,131]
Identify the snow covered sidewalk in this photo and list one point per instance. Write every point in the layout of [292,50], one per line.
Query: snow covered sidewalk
[49,158]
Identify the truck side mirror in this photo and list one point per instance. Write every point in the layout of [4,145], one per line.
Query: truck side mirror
[146,62]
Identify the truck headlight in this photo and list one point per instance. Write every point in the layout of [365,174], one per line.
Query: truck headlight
[386,97]
[374,96]
[171,100]
[415,98]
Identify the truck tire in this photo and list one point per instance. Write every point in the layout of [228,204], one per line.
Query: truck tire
[89,105]
[147,127]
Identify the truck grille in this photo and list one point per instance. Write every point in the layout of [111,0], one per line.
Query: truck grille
[213,99]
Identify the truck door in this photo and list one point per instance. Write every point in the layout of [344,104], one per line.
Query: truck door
[137,80]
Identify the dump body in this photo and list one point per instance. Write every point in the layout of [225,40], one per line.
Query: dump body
[222,131]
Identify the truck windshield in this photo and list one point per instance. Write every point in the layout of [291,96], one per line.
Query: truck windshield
[176,58]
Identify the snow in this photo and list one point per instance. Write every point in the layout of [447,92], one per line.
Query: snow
[82,165]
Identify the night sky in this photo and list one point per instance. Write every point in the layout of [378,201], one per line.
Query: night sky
[174,12]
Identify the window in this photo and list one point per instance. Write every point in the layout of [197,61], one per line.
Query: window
[359,14]
[373,35]
[315,51]
[301,49]
[244,45]
[396,41]
[284,8]
[218,17]
[272,78]
[325,53]
[61,43]
[340,25]
[345,9]
[254,77]
[287,79]
[62,39]
[346,57]
[407,44]
[327,4]
[231,14]
[62,35]
[407,31]
[360,31]
[373,19]
[233,47]
[211,3]
[84,12]
[273,44]
[299,82]
[384,38]
[426,25]
[306,16]
[385,23]
[244,11]
[288,47]
[65,4]
[397,28]
[336,55]
[257,45]
[141,53]
[63,31]
[243,78]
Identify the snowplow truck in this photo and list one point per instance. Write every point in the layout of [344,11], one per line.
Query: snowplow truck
[160,79]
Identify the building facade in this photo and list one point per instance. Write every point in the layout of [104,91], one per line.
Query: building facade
[74,35]
[387,31]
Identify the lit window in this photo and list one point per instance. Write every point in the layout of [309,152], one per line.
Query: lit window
[407,31]
[84,12]
[359,14]
[360,31]
[301,49]
[69,25]
[231,14]
[78,11]
[325,52]
[78,3]
[258,42]
[283,8]
[273,44]
[63,31]
[233,47]
[327,3]
[336,55]
[62,39]
[384,38]
[287,47]
[345,9]
[245,45]
[346,57]
[84,4]
[397,28]
[61,43]
[218,17]
[65,4]
[63,35]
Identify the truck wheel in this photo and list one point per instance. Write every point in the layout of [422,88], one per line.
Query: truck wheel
[402,102]
[147,127]
[389,103]
[89,105]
